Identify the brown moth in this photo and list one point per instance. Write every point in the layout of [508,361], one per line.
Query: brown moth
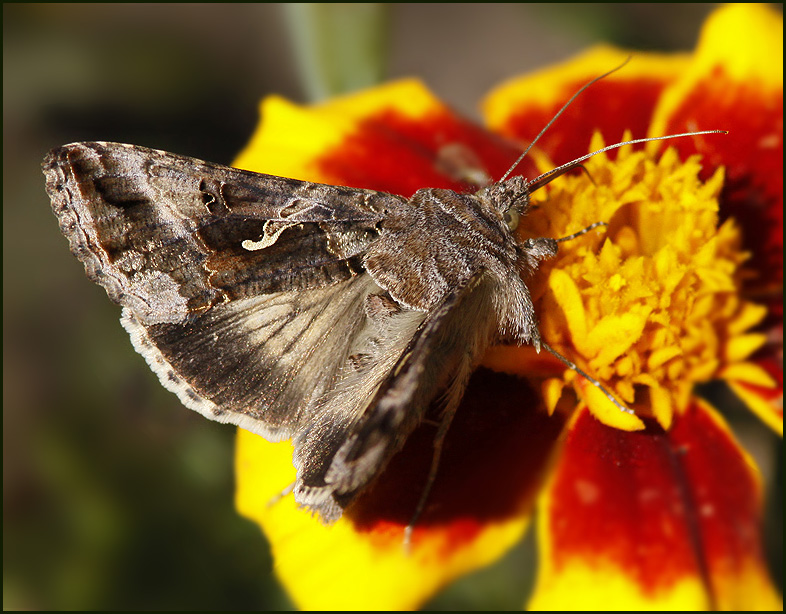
[330,315]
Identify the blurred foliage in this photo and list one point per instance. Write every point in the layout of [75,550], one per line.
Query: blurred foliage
[115,496]
[338,47]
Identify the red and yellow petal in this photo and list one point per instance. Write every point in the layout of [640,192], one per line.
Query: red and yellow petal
[395,138]
[760,387]
[735,82]
[653,520]
[491,470]
[622,101]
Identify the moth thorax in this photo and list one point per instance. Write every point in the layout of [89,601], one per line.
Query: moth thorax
[438,244]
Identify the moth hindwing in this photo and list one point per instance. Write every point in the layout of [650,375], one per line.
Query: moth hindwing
[334,316]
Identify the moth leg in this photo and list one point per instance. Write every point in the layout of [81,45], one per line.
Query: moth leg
[581,232]
[573,367]
[278,496]
[459,163]
[439,440]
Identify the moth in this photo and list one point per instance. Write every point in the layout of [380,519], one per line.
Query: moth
[332,316]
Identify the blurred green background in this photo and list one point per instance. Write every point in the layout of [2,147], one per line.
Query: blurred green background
[115,496]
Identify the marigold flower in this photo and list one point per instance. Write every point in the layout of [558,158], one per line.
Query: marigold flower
[661,509]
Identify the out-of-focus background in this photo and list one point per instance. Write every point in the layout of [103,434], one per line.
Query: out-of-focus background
[114,495]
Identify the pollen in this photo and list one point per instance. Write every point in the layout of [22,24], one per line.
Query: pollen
[649,305]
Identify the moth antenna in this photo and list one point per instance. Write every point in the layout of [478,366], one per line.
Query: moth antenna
[558,113]
[587,377]
[439,439]
[551,175]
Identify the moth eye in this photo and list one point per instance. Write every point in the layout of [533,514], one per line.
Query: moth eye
[511,217]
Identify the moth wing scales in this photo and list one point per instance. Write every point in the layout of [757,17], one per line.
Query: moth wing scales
[163,234]
[258,362]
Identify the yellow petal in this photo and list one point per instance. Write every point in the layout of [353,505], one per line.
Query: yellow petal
[566,295]
[742,346]
[613,335]
[552,391]
[739,36]
[575,588]
[662,406]
[606,411]
[770,414]
[340,568]
[662,355]
[749,373]
[750,315]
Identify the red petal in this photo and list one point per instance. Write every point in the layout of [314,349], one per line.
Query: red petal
[622,101]
[616,496]
[735,83]
[392,152]
[609,107]
[753,156]
[492,465]
[661,509]
[722,487]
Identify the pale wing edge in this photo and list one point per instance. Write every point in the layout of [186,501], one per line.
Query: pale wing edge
[78,241]
[185,392]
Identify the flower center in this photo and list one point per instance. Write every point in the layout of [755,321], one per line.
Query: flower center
[651,305]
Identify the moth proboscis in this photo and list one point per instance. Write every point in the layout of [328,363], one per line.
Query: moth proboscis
[328,315]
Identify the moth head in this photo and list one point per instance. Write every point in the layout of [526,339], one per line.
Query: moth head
[508,198]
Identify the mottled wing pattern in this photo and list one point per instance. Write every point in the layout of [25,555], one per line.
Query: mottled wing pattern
[244,292]
[169,236]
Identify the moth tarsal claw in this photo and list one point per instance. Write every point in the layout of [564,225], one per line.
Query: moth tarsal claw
[278,496]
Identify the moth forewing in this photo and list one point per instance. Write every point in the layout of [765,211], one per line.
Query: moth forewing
[163,234]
